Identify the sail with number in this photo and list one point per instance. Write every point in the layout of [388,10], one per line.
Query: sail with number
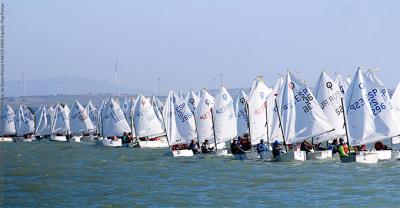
[242,118]
[80,120]
[60,123]
[192,100]
[145,119]
[25,123]
[179,120]
[224,117]
[113,120]
[7,123]
[328,95]
[257,111]
[301,115]
[203,118]
[369,110]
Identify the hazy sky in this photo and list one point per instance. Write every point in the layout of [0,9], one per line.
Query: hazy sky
[188,42]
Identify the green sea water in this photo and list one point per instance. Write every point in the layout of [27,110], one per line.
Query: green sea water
[51,174]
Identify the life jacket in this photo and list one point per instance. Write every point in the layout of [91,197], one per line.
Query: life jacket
[346,148]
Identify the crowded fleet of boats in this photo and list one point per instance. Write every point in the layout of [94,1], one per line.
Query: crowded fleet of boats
[291,120]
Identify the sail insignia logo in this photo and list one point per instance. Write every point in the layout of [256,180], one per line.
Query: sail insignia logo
[225,97]
[291,85]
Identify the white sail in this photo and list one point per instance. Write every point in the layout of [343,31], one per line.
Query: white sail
[126,106]
[369,111]
[145,119]
[179,120]
[192,100]
[241,113]
[342,83]
[61,121]
[396,105]
[257,111]
[92,112]
[203,118]
[224,117]
[158,108]
[80,120]
[302,117]
[328,95]
[274,129]
[25,123]
[113,120]
[7,123]
[43,126]
[50,114]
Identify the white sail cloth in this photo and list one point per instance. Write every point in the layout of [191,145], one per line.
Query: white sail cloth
[342,83]
[302,117]
[25,123]
[241,113]
[369,111]
[80,120]
[43,122]
[328,95]
[113,122]
[203,118]
[274,129]
[192,100]
[179,120]
[146,122]
[7,123]
[92,112]
[61,123]
[257,111]
[224,117]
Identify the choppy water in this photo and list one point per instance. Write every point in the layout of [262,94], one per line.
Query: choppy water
[48,174]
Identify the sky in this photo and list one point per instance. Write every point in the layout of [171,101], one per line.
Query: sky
[189,43]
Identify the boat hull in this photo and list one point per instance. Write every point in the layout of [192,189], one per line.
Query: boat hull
[162,143]
[293,156]
[320,155]
[182,153]
[383,154]
[6,139]
[109,142]
[362,157]
[58,138]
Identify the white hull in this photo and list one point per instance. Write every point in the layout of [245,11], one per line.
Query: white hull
[58,138]
[77,139]
[320,155]
[362,157]
[383,154]
[293,156]
[6,139]
[29,139]
[162,143]
[182,153]
[109,142]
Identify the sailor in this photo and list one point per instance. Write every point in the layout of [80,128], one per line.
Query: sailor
[194,147]
[235,148]
[333,146]
[343,149]
[261,147]
[205,147]
[125,138]
[380,146]
[276,149]
[305,146]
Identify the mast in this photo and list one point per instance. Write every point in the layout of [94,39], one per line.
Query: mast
[280,124]
[345,123]
[215,139]
[266,122]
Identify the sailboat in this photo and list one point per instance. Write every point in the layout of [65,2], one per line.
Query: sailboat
[224,121]
[242,117]
[43,122]
[329,97]
[301,116]
[369,113]
[7,124]
[25,124]
[91,110]
[80,122]
[60,127]
[203,119]
[149,129]
[179,124]
[113,123]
